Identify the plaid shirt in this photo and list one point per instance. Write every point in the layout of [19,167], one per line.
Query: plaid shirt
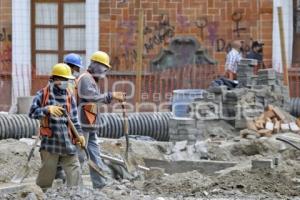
[60,142]
[232,59]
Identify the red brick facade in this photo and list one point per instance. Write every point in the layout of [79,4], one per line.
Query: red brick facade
[5,53]
[212,22]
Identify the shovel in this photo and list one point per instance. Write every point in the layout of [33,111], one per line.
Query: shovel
[131,167]
[89,162]
[25,170]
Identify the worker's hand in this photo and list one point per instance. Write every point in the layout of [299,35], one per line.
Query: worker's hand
[56,111]
[119,96]
[81,141]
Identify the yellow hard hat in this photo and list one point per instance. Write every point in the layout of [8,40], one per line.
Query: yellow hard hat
[62,70]
[101,57]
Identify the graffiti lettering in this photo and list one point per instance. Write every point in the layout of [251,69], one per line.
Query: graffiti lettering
[4,36]
[237,16]
[159,34]
[222,45]
[201,23]
[183,21]
[212,29]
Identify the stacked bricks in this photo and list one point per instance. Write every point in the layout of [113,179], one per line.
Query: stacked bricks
[266,77]
[245,72]
[212,22]
[184,129]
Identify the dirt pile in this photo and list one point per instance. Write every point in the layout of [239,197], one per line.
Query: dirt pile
[178,185]
[250,182]
[13,155]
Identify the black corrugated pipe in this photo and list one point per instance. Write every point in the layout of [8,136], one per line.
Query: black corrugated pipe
[154,125]
[17,126]
[295,107]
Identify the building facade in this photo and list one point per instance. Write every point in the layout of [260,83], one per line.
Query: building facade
[35,34]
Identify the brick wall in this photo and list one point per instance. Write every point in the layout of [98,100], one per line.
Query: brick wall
[212,22]
[5,53]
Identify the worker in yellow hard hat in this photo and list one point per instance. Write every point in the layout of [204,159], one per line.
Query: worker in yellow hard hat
[51,106]
[88,99]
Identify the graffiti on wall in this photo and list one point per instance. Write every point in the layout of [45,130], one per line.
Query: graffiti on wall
[125,54]
[224,46]
[201,23]
[5,35]
[5,47]
[237,17]
[160,34]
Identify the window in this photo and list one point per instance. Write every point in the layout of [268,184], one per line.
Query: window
[58,28]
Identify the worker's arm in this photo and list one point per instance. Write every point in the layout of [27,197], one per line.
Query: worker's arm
[74,115]
[88,91]
[36,110]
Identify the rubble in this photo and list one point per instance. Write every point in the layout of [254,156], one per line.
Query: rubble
[186,185]
[273,120]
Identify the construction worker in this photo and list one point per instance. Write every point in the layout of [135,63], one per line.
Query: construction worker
[74,61]
[57,142]
[232,60]
[89,97]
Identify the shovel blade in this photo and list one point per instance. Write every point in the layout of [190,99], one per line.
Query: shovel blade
[96,168]
[21,175]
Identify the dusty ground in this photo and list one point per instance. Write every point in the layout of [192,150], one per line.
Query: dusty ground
[239,182]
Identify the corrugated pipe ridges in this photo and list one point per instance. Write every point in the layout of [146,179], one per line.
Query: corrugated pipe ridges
[155,125]
[295,107]
[17,126]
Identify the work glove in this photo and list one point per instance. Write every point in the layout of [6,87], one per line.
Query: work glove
[81,141]
[120,96]
[56,111]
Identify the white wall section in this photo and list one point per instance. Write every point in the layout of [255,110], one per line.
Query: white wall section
[92,28]
[21,50]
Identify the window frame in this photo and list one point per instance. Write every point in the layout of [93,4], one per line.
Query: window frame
[60,52]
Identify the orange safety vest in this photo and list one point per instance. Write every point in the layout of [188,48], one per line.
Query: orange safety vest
[90,109]
[45,130]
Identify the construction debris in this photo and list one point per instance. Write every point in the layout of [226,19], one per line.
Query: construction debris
[273,120]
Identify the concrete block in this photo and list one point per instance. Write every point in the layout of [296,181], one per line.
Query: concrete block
[184,121]
[262,164]
[294,127]
[285,127]
[206,167]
